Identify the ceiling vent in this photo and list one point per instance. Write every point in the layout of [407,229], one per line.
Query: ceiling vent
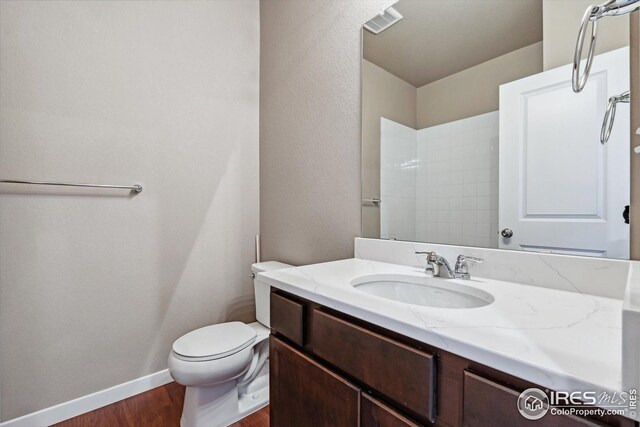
[383,20]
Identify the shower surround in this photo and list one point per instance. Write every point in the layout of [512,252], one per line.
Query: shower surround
[440,184]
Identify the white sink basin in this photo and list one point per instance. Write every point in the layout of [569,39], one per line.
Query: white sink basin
[427,291]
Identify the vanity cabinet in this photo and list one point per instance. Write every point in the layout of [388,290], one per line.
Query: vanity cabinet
[403,374]
[330,369]
[305,393]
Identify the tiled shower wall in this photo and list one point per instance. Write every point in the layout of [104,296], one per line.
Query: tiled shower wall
[457,182]
[397,181]
[455,172]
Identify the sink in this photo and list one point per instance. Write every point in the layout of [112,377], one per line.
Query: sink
[426,291]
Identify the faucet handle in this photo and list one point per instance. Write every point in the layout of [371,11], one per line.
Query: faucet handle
[462,269]
[432,266]
[431,255]
[463,258]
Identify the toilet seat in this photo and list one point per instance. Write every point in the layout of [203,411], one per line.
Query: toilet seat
[214,342]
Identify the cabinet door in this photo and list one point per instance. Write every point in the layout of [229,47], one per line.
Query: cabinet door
[487,403]
[375,413]
[304,393]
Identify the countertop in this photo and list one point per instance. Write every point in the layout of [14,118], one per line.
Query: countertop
[562,340]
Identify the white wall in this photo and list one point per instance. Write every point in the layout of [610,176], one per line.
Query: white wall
[94,284]
[398,165]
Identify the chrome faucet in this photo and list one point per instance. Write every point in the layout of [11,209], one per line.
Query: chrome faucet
[438,266]
[435,263]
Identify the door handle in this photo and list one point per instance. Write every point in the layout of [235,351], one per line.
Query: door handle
[625,214]
[506,232]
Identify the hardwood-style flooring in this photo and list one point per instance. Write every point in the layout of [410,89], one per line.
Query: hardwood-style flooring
[160,407]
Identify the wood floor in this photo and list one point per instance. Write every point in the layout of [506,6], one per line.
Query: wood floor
[160,407]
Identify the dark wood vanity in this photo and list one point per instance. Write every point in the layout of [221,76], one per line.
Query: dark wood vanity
[330,369]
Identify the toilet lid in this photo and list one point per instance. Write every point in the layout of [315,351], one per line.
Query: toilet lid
[215,341]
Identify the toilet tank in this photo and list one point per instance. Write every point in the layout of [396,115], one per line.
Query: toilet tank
[262,289]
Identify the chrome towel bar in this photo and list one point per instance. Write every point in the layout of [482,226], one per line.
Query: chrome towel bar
[136,188]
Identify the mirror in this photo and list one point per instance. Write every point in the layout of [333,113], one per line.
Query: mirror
[472,134]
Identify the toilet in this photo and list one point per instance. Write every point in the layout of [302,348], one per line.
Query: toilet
[225,366]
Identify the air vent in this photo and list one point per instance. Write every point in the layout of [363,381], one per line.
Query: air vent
[383,20]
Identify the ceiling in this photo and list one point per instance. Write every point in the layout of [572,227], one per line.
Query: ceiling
[437,38]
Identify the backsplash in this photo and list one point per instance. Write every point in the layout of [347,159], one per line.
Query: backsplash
[593,276]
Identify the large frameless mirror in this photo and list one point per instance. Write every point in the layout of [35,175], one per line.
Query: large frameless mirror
[472,134]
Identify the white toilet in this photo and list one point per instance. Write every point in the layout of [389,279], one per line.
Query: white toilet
[225,366]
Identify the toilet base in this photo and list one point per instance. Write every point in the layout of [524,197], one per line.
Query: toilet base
[223,404]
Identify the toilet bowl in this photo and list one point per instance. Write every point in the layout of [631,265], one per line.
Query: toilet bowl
[225,366]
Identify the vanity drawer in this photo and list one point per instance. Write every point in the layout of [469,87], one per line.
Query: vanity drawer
[374,413]
[287,318]
[405,375]
[486,401]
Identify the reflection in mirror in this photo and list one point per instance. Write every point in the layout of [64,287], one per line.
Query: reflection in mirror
[472,134]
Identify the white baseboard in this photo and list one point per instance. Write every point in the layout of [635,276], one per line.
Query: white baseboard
[90,402]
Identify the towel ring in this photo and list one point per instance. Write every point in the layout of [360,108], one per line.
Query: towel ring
[578,82]
[610,115]
[593,14]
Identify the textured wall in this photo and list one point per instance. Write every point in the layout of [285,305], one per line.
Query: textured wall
[310,127]
[474,91]
[95,285]
[561,22]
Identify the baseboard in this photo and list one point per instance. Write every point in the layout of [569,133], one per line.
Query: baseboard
[90,402]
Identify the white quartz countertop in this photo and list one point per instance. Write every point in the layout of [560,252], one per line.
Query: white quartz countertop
[562,340]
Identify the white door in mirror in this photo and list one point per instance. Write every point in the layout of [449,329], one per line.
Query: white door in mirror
[561,190]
